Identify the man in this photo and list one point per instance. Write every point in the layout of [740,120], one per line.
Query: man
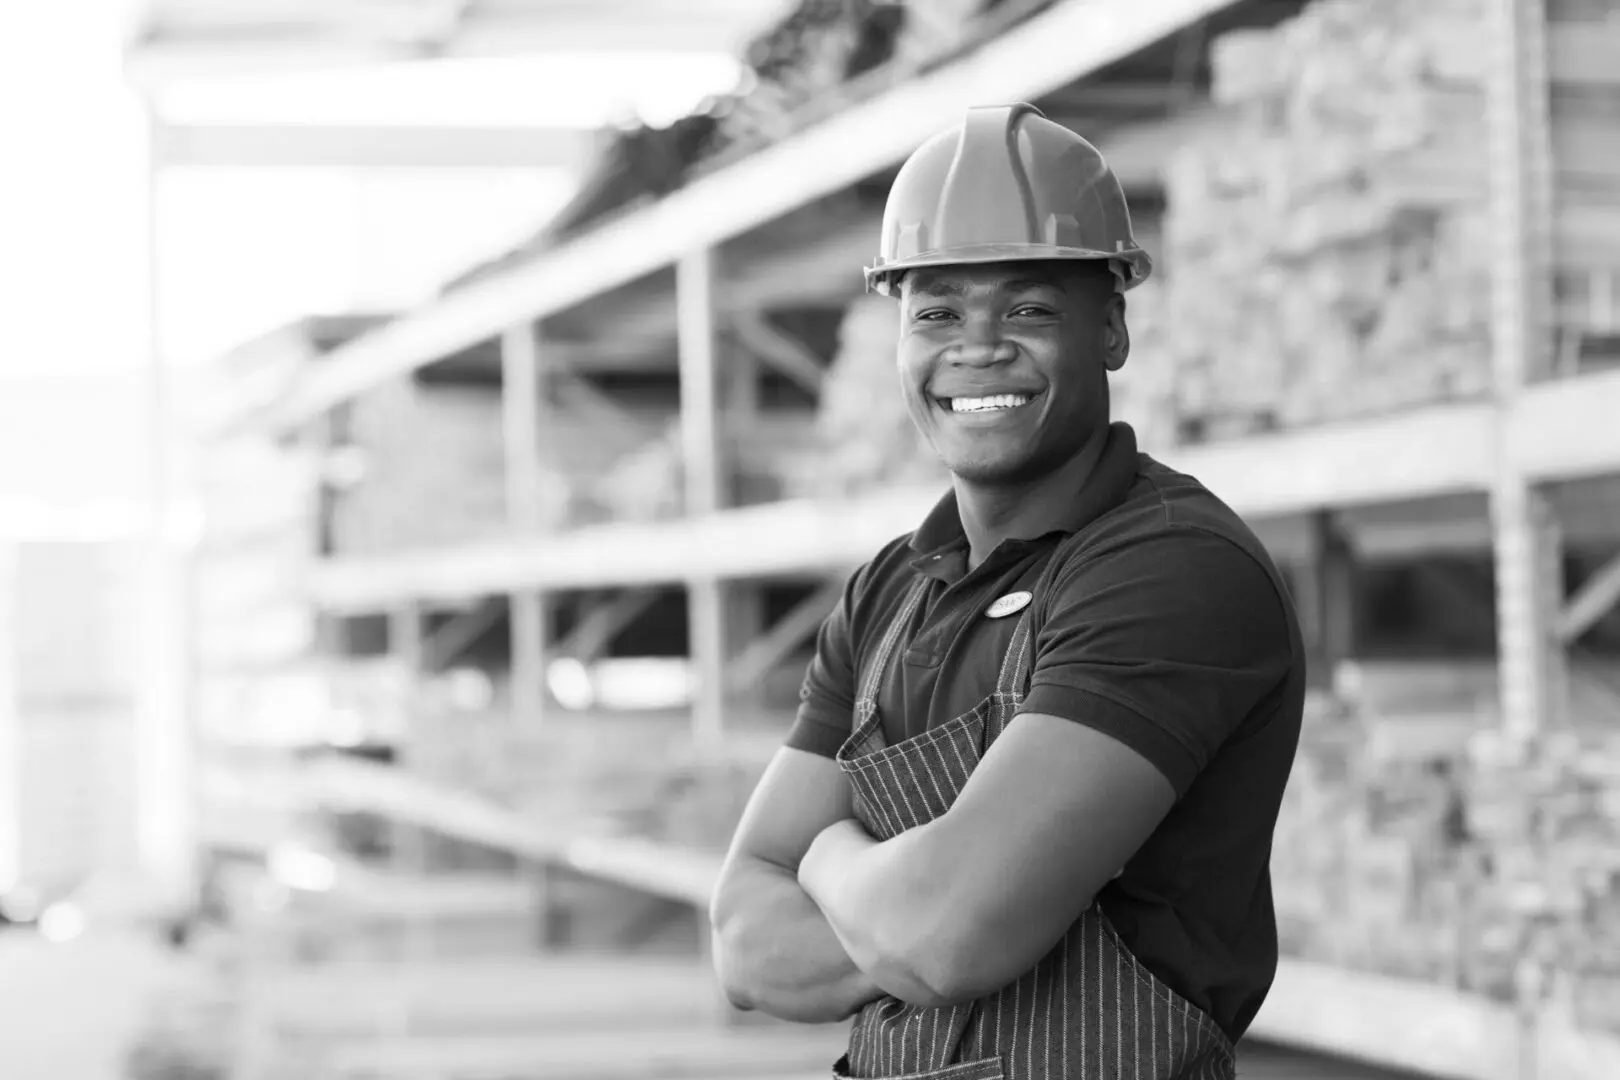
[1022,824]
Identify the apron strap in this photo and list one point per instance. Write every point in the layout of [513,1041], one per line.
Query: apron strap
[1019,661]
[872,677]
[1015,664]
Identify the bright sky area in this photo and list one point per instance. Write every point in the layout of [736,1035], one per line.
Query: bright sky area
[239,251]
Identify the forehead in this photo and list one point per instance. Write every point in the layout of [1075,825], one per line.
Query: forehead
[982,277]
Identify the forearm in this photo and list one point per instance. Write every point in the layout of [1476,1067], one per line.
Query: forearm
[775,952]
[886,902]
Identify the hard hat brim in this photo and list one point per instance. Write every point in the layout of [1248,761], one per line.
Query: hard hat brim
[1131,266]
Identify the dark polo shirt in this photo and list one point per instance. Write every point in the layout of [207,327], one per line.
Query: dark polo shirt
[1170,630]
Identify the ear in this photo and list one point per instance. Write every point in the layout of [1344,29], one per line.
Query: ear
[1116,335]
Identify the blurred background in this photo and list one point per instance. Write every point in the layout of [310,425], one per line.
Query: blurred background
[434,429]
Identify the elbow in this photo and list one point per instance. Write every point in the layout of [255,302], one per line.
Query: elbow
[932,965]
[724,932]
[956,962]
[739,994]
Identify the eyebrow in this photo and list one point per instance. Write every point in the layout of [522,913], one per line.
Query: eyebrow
[933,286]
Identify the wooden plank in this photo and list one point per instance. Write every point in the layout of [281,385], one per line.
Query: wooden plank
[1051,49]
[785,538]
[1565,429]
[1418,454]
[1584,52]
[556,992]
[658,869]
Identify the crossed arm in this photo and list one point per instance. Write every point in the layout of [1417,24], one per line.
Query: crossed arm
[813,917]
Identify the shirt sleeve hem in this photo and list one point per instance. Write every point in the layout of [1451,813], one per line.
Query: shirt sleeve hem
[1118,721]
[816,733]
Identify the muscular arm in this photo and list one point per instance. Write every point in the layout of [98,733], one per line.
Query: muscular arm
[1134,691]
[774,950]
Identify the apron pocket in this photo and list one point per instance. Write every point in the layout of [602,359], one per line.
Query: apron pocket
[983,1069]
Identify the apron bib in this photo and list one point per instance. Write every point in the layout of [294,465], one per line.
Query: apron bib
[1088,1011]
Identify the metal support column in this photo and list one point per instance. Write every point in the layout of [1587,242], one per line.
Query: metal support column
[521,394]
[703,471]
[1527,547]
[745,615]
[520,405]
[407,645]
[1326,600]
[408,842]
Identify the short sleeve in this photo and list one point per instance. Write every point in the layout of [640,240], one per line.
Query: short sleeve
[1166,644]
[827,696]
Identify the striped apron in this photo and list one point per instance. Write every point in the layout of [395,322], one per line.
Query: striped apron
[1088,1011]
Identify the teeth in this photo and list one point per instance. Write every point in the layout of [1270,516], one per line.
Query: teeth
[985,404]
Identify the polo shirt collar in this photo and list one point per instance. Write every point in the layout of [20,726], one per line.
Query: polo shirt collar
[1110,481]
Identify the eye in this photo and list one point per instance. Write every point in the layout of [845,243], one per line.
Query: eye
[1036,311]
[934,315]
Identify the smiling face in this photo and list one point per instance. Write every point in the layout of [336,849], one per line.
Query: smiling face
[1004,366]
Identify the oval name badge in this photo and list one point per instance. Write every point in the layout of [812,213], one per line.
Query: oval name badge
[1010,604]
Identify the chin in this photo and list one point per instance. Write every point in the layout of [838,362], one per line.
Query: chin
[991,472]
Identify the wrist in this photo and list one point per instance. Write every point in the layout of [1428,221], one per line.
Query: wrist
[830,850]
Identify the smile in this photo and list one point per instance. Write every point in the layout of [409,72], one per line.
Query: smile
[993,403]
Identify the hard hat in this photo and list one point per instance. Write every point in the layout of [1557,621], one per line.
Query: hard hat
[1007,184]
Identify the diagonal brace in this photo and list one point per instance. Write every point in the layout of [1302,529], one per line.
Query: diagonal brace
[789,356]
[1591,602]
[775,644]
[449,640]
[596,631]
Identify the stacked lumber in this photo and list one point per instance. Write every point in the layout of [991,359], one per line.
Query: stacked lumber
[1143,392]
[756,451]
[1317,270]
[432,470]
[1331,236]
[865,436]
[1432,847]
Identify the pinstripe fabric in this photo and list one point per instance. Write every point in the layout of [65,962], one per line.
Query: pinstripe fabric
[1088,1010]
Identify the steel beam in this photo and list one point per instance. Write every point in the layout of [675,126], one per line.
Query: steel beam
[395,147]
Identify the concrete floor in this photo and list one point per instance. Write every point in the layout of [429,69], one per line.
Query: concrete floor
[71,1010]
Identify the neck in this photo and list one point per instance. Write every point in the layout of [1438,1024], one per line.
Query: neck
[1023,511]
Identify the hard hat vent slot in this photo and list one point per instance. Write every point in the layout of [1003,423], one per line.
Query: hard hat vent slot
[912,239]
[1062,230]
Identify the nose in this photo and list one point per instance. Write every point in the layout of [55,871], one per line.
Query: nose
[981,344]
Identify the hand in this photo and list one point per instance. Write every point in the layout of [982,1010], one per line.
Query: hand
[829,851]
